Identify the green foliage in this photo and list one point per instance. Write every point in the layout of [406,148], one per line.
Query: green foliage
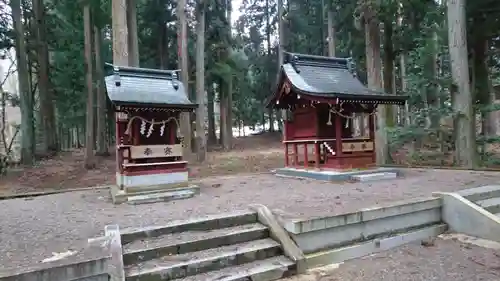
[247,60]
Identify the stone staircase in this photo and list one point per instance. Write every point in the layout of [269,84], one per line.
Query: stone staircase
[486,197]
[233,247]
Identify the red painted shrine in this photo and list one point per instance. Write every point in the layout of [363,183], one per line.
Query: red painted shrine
[147,106]
[330,121]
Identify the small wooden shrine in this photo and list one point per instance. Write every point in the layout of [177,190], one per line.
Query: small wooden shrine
[147,105]
[330,121]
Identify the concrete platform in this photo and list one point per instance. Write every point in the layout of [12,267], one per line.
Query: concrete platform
[331,175]
[157,194]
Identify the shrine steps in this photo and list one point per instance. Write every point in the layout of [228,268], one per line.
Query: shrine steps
[486,197]
[226,247]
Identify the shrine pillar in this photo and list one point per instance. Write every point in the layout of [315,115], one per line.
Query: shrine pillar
[338,134]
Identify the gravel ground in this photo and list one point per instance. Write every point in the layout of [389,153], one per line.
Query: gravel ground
[447,260]
[32,229]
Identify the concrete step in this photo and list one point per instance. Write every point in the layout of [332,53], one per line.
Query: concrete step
[262,270]
[374,176]
[161,196]
[180,266]
[198,224]
[190,241]
[356,250]
[491,205]
[480,193]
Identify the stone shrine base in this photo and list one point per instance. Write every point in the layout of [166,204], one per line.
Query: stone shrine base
[152,194]
[361,175]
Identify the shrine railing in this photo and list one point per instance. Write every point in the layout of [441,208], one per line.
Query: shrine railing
[308,153]
[305,152]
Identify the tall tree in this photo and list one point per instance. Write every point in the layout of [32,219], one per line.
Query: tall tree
[89,132]
[230,82]
[201,142]
[212,137]
[226,80]
[133,41]
[47,112]
[388,70]
[374,75]
[184,67]
[465,147]
[26,98]
[120,32]
[331,30]
[281,44]
[269,54]
[102,144]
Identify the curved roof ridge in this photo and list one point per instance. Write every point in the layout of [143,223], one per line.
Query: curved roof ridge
[335,62]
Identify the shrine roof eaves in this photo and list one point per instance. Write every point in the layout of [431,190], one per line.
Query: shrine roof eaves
[131,86]
[329,77]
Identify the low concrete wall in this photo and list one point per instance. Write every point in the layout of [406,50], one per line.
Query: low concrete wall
[89,270]
[370,223]
[465,217]
[90,263]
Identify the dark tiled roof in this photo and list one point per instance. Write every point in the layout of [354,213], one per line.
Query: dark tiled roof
[141,86]
[328,77]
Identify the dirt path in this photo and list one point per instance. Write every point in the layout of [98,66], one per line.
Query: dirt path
[253,154]
[32,229]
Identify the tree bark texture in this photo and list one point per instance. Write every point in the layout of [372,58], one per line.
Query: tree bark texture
[431,73]
[226,130]
[120,33]
[185,121]
[212,136]
[281,32]
[374,75]
[47,112]
[133,41]
[481,82]
[102,144]
[89,131]
[388,69]
[26,98]
[201,142]
[268,39]
[331,32]
[465,148]
[229,123]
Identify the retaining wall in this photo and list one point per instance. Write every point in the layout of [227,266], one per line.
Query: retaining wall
[337,238]
[88,270]
[324,240]
[89,263]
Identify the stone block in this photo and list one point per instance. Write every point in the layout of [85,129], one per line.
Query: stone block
[491,205]
[278,233]
[374,177]
[349,234]
[363,215]
[339,255]
[115,265]
[210,222]
[328,175]
[205,261]
[480,193]
[195,243]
